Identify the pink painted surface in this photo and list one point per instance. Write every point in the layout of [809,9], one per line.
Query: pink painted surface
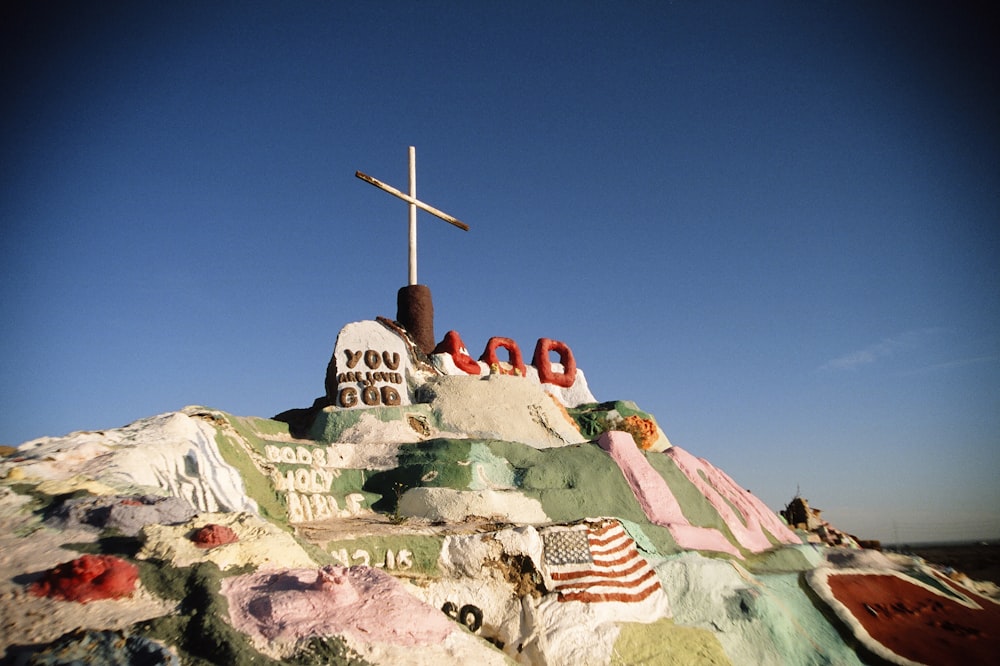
[750,517]
[656,498]
[359,601]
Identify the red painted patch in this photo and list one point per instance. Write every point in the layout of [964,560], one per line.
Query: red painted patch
[88,578]
[919,624]
[490,357]
[213,535]
[452,344]
[542,363]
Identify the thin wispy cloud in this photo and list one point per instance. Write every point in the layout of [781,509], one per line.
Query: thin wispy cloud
[957,363]
[881,350]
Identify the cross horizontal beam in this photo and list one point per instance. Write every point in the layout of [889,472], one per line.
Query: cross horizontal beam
[411,200]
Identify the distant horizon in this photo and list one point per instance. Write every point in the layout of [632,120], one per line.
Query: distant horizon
[926,544]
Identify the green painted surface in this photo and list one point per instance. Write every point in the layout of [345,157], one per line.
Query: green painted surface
[580,481]
[331,423]
[570,482]
[266,427]
[593,418]
[490,470]
[261,486]
[784,615]
[784,559]
[258,485]
[436,463]
[638,534]
[424,552]
[352,481]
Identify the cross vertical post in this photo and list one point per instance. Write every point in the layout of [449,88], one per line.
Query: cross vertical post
[413,216]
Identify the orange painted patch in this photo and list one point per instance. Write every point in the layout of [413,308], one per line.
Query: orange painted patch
[643,431]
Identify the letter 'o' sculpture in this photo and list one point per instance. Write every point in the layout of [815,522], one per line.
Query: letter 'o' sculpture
[490,355]
[542,363]
[452,345]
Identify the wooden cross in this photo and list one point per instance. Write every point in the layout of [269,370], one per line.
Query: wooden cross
[415,203]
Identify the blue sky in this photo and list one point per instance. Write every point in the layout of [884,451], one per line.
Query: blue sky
[775,226]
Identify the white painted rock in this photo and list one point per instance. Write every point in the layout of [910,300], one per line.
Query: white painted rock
[500,407]
[172,454]
[373,367]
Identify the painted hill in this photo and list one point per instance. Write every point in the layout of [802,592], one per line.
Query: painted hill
[434,508]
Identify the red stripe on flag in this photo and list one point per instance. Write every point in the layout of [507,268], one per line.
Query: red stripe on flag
[597,573]
[636,582]
[630,555]
[588,597]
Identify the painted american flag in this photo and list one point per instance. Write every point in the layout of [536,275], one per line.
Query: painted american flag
[594,562]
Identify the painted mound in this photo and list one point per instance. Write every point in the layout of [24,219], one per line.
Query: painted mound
[435,509]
